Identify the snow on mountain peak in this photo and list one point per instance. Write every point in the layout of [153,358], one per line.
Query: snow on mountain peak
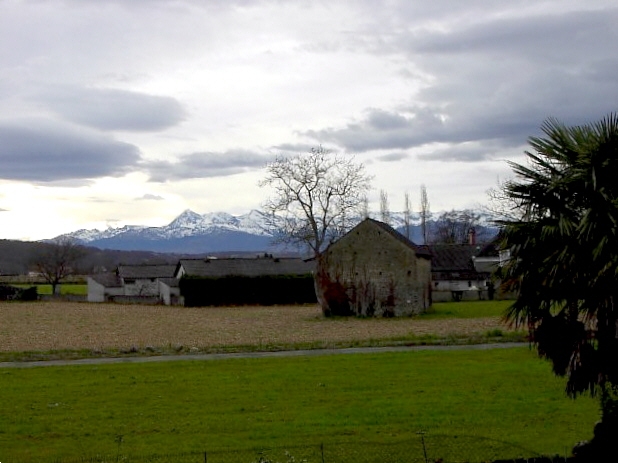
[188,219]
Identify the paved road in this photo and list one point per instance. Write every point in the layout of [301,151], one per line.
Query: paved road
[287,353]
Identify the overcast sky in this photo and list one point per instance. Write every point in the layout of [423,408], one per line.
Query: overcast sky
[129,112]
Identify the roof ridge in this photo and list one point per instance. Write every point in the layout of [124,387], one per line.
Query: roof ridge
[419,249]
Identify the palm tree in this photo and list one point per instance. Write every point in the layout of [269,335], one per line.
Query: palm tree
[564,256]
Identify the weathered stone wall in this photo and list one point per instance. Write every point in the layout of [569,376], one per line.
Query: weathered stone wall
[380,274]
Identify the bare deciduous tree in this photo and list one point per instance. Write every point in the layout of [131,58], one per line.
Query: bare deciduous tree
[58,260]
[502,207]
[317,196]
[453,227]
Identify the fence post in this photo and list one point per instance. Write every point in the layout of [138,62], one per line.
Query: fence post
[205,457]
[422,433]
[322,451]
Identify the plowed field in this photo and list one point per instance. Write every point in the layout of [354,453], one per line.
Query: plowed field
[45,326]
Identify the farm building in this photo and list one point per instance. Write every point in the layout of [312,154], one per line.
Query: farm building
[104,287]
[465,272]
[374,271]
[453,274]
[262,280]
[130,283]
[248,267]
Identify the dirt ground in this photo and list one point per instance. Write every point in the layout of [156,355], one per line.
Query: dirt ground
[45,326]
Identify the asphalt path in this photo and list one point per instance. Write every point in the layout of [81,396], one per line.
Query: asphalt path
[236,355]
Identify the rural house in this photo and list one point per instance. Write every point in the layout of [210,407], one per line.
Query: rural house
[130,283]
[453,274]
[466,272]
[374,270]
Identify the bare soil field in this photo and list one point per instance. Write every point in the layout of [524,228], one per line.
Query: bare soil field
[44,326]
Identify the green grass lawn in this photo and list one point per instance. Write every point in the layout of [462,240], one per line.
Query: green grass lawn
[69,413]
[65,289]
[466,309]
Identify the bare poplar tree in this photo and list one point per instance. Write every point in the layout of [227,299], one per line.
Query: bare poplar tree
[365,208]
[425,214]
[407,214]
[385,213]
[317,196]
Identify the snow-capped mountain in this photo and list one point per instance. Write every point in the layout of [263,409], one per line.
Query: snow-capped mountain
[190,232]
[194,233]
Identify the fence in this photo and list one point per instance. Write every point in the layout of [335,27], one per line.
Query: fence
[420,449]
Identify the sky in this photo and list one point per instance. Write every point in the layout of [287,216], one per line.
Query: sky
[117,112]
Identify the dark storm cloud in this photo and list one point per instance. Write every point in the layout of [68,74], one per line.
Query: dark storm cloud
[112,109]
[204,165]
[40,151]
[492,80]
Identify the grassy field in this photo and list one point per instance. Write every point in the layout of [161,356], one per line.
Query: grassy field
[466,309]
[45,330]
[65,289]
[62,413]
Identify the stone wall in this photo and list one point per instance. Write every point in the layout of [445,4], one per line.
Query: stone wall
[380,274]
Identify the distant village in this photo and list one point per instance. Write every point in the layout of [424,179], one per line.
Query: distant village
[451,271]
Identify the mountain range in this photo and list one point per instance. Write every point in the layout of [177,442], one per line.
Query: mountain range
[193,233]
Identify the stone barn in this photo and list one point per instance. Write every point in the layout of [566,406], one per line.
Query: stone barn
[373,270]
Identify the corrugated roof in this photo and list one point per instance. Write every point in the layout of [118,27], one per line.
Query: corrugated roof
[146,271]
[246,267]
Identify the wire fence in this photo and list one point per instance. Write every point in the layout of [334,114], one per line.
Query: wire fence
[422,448]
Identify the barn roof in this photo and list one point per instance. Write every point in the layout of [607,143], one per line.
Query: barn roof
[245,267]
[146,271]
[171,282]
[109,280]
[452,257]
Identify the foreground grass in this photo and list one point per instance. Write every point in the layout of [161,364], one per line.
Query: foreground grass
[61,413]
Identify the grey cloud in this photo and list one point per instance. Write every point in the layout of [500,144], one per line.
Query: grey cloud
[497,79]
[4,210]
[393,157]
[558,38]
[150,197]
[113,109]
[41,151]
[294,147]
[395,130]
[204,165]
[464,152]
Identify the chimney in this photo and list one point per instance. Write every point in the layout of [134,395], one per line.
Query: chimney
[472,236]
